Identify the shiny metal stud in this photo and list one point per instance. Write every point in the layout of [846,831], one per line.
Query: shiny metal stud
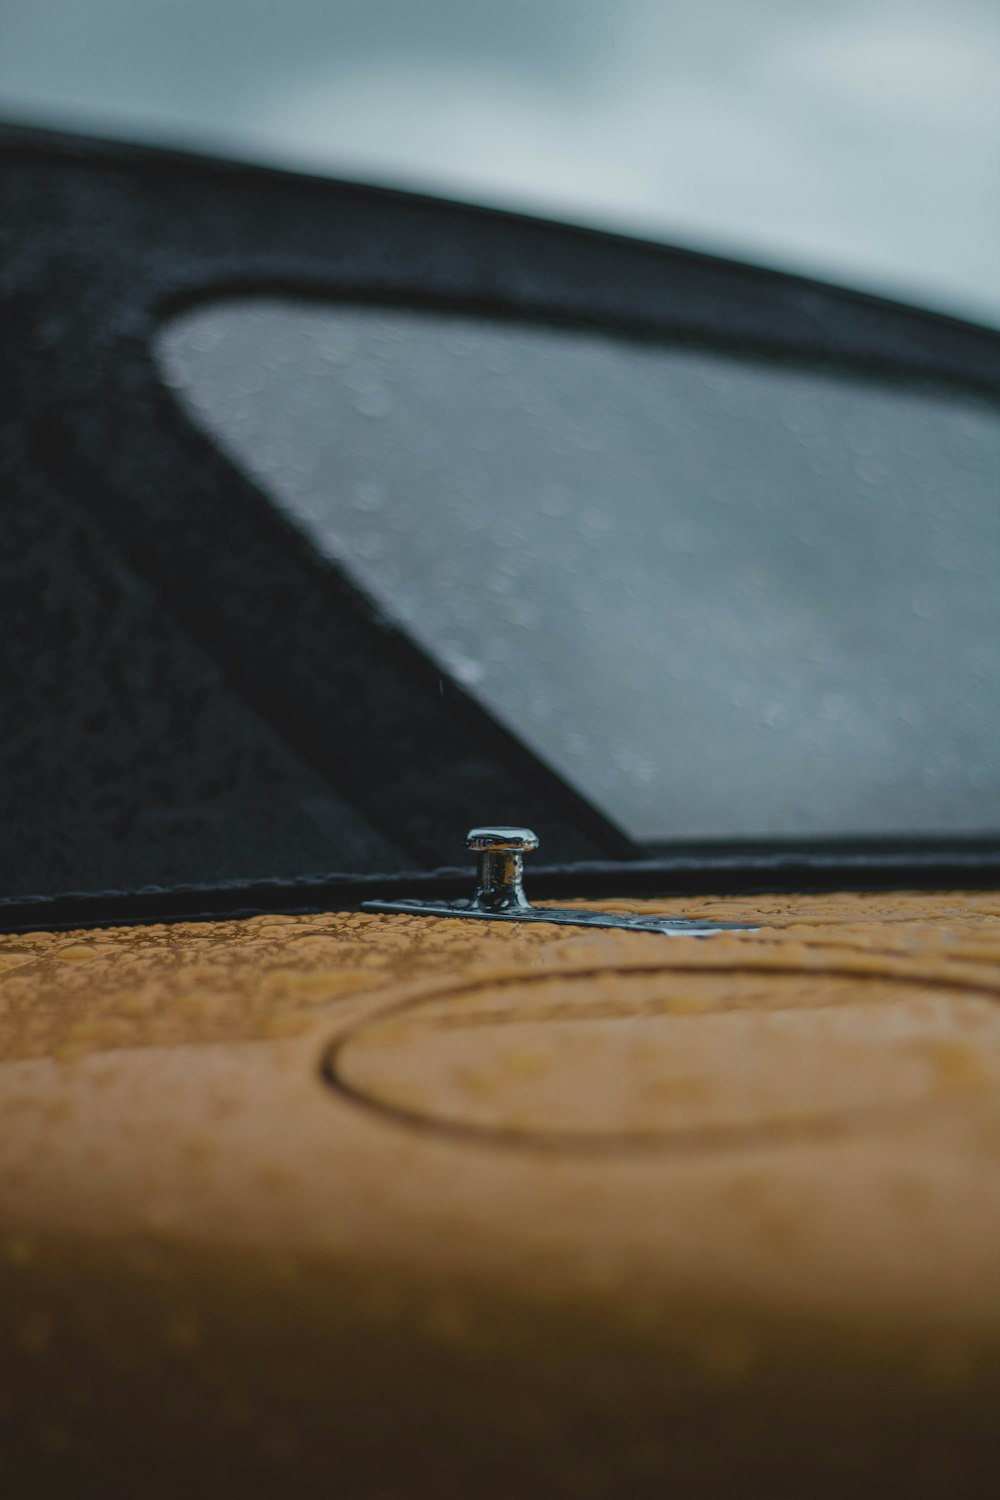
[501,854]
[500,894]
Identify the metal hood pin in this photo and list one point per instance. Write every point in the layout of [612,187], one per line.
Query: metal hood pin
[500,897]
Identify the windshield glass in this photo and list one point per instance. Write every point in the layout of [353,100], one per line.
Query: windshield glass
[857,141]
[723,598]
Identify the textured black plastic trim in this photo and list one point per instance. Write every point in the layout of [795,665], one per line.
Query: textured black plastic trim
[941,869]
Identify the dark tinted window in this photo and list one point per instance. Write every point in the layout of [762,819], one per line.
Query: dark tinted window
[722,598]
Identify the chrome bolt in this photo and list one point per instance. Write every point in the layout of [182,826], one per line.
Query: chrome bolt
[501,854]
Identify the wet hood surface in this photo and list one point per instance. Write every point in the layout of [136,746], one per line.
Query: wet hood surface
[497,1210]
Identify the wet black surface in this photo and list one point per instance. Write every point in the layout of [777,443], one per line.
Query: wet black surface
[200,712]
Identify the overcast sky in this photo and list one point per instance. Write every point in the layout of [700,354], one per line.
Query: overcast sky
[858,141]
